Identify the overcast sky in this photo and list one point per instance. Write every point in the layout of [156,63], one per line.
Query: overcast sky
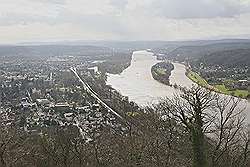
[56,20]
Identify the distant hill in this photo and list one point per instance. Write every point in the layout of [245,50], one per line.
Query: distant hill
[139,45]
[177,50]
[196,52]
[237,57]
[52,50]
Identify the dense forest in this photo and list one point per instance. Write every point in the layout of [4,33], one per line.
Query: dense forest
[237,57]
[196,128]
[183,53]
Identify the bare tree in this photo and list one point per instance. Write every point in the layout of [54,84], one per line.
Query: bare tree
[12,142]
[190,109]
[165,142]
[226,128]
[240,153]
[207,116]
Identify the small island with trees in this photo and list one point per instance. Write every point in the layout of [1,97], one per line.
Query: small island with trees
[162,71]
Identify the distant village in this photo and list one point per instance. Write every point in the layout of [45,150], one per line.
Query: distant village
[229,78]
[233,78]
[41,93]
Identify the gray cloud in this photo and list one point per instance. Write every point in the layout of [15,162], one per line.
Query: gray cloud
[182,9]
[126,19]
[120,4]
[24,19]
[171,9]
[59,2]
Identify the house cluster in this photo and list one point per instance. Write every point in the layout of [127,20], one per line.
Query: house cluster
[240,84]
[232,78]
[37,95]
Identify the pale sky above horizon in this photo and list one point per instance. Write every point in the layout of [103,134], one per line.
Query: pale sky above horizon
[56,20]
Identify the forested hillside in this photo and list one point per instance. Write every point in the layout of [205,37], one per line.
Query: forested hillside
[196,52]
[237,57]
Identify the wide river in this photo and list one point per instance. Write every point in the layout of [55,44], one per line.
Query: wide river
[137,83]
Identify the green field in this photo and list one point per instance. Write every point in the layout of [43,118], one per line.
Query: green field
[161,71]
[218,88]
[197,79]
[238,93]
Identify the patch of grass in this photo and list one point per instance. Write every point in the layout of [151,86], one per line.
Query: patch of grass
[161,71]
[132,114]
[241,93]
[218,88]
[221,88]
[237,92]
[197,79]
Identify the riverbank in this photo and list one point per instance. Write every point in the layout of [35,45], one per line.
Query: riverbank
[162,71]
[137,82]
[117,64]
[217,88]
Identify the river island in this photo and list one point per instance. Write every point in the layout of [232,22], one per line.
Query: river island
[162,71]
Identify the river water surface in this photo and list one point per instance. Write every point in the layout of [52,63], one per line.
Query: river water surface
[137,83]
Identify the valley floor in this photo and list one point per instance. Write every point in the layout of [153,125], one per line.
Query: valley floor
[217,88]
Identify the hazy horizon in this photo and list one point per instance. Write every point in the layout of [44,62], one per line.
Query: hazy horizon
[89,42]
[122,20]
